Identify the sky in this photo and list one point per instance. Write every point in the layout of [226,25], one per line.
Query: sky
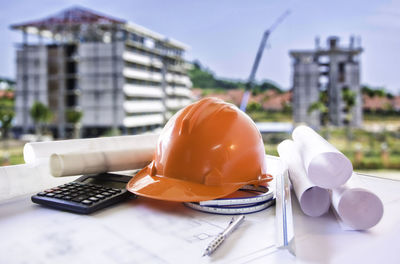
[224,35]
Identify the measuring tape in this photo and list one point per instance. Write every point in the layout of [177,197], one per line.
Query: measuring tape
[241,205]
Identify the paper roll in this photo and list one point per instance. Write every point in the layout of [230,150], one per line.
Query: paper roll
[325,166]
[357,208]
[100,161]
[34,152]
[313,200]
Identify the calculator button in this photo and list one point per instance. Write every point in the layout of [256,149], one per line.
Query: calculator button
[100,196]
[58,196]
[57,192]
[106,194]
[50,194]
[94,199]
[48,190]
[41,194]
[116,190]
[80,198]
[67,197]
[87,202]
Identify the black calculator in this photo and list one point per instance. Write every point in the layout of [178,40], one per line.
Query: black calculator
[86,194]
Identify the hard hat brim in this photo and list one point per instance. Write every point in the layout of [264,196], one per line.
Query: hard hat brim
[171,189]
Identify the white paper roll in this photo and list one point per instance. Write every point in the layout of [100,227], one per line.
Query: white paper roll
[313,200]
[357,208]
[326,166]
[33,152]
[100,161]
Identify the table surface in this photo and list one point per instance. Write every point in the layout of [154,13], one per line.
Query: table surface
[149,231]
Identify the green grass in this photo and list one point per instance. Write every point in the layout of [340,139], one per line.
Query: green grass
[17,159]
[381,117]
[269,116]
[208,91]
[369,143]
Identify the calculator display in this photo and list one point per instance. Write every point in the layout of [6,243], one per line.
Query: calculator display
[105,182]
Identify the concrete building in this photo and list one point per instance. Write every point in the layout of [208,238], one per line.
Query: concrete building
[331,72]
[120,75]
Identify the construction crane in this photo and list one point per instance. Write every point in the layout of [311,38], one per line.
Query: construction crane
[260,51]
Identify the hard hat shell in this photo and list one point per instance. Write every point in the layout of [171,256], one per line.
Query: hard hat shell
[207,150]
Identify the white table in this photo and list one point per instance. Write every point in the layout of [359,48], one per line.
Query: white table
[150,231]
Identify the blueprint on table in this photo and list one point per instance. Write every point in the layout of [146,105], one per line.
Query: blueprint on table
[139,231]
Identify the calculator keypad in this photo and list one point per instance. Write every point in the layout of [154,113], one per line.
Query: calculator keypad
[83,193]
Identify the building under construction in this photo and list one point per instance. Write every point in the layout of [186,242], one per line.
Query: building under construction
[120,75]
[328,75]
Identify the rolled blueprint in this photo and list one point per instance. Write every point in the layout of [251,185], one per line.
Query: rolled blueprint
[34,152]
[101,161]
[325,166]
[357,208]
[313,200]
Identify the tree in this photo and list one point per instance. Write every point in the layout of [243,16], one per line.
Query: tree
[201,78]
[204,78]
[74,117]
[321,107]
[376,91]
[254,107]
[6,116]
[349,99]
[41,116]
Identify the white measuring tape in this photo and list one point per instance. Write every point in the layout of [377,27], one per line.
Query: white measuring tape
[242,205]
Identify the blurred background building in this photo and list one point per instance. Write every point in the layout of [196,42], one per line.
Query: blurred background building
[329,76]
[120,75]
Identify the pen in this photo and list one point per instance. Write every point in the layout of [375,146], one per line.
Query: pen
[233,224]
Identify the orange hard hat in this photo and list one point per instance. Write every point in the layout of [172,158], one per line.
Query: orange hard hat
[207,150]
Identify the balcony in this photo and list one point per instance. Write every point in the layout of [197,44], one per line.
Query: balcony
[155,76]
[143,120]
[177,103]
[141,59]
[143,91]
[143,106]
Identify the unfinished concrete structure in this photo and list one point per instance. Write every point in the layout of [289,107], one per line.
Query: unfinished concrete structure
[120,75]
[330,70]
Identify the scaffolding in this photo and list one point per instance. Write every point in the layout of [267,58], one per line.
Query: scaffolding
[124,76]
[65,31]
[331,71]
